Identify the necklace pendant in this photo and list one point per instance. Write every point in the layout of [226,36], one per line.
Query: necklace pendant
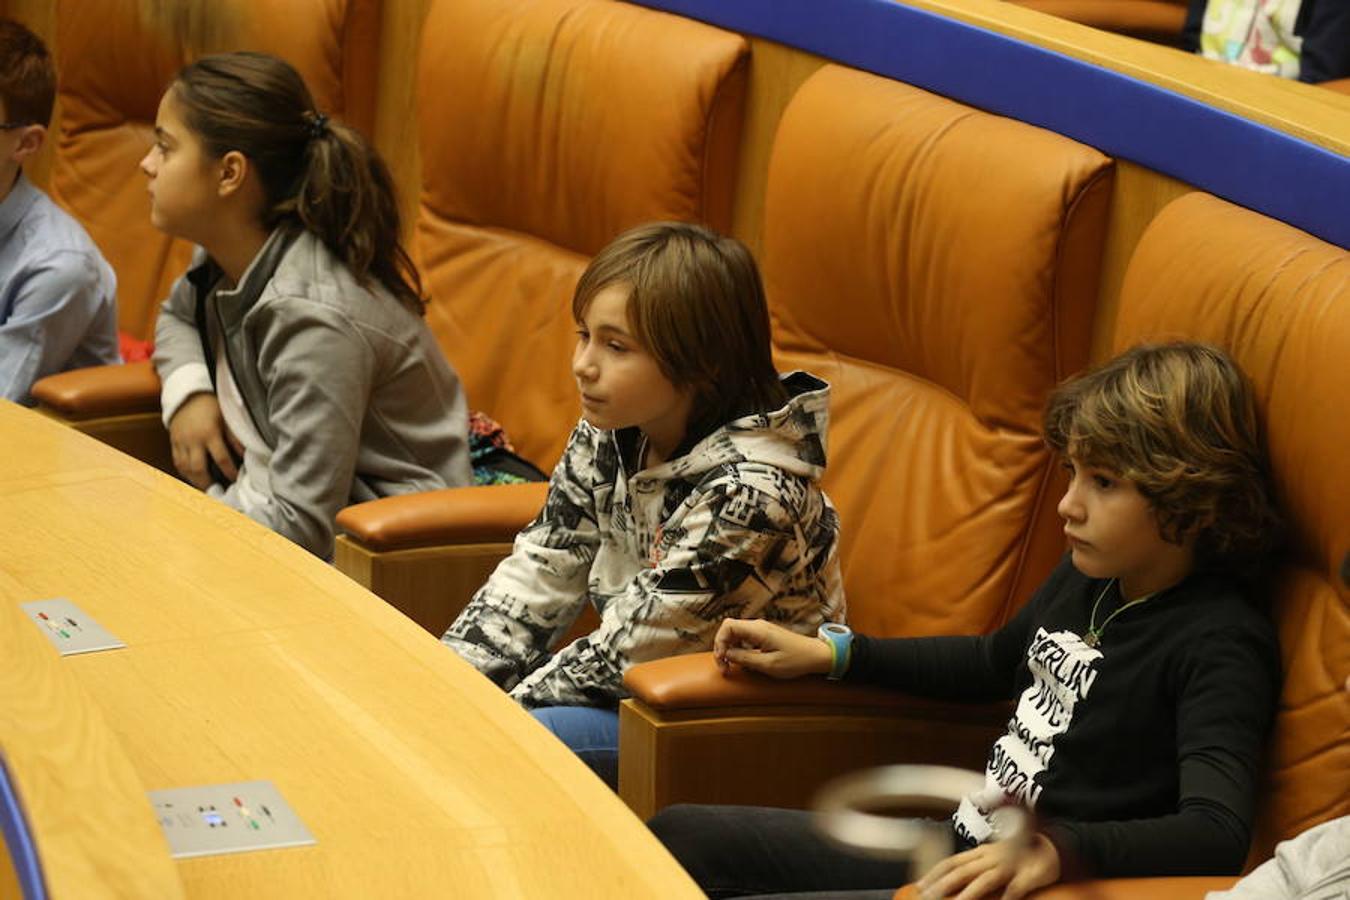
[1091,639]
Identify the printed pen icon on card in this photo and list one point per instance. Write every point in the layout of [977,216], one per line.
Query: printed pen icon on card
[46,620]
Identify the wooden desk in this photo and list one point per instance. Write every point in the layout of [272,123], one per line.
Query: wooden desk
[249,659]
[77,787]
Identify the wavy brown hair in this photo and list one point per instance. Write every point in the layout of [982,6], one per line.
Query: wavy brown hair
[697,304]
[319,174]
[1178,420]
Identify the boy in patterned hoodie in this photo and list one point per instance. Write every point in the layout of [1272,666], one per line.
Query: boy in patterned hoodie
[689,490]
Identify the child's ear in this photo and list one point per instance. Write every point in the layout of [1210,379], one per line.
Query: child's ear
[233,170]
[1202,523]
[31,138]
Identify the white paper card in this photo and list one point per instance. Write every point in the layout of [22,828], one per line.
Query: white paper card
[227,818]
[70,628]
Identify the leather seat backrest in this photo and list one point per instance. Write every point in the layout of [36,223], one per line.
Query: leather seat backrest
[548,127]
[1278,300]
[938,266]
[114,69]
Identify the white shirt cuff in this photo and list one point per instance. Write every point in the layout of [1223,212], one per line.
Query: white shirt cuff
[184,381]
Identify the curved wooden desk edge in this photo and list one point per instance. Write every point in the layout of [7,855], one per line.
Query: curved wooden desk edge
[92,822]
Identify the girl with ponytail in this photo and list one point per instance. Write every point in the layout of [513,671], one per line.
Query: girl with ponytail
[298,375]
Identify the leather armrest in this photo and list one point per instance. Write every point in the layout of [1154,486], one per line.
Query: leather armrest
[693,681]
[1175,888]
[101,391]
[467,515]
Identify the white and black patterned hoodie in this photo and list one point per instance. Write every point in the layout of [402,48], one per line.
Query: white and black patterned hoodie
[737,526]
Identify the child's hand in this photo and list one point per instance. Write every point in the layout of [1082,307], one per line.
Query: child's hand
[196,430]
[761,646]
[993,870]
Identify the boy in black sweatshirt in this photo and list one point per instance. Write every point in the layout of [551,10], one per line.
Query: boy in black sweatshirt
[1145,677]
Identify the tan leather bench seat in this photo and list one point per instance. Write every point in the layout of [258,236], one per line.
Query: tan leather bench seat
[938,266]
[546,130]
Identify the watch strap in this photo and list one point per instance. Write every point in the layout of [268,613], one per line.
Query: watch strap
[840,639]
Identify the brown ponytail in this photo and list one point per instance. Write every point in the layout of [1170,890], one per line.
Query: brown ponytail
[316,172]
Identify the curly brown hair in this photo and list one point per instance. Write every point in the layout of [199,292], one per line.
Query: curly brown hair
[1179,421]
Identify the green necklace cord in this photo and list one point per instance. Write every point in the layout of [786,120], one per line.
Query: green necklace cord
[1093,636]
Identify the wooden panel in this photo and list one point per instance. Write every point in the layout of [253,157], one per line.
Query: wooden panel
[139,435]
[1140,194]
[777,757]
[396,105]
[775,74]
[429,585]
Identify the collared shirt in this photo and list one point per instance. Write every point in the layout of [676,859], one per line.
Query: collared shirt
[58,307]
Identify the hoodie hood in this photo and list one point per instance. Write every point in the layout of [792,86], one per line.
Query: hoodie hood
[791,438]
[737,526]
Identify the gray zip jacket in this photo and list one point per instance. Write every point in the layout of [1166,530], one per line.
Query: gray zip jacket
[1315,865]
[345,386]
[737,526]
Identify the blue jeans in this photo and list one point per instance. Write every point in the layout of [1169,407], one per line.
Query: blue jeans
[591,733]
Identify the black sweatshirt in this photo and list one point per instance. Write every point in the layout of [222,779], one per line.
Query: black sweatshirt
[1139,757]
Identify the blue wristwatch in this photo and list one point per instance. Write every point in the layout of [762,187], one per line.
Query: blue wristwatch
[840,639]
